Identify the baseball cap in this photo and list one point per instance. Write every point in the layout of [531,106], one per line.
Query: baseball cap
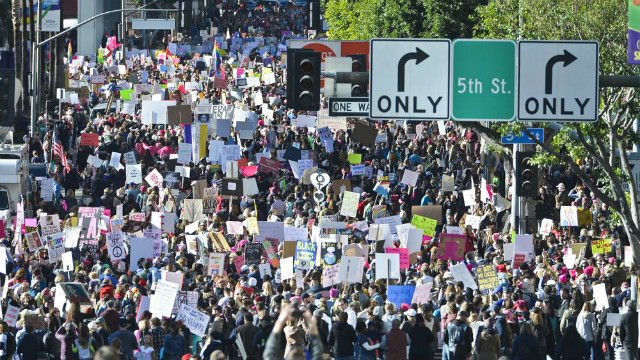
[410,312]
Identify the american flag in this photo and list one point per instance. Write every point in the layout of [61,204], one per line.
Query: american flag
[59,151]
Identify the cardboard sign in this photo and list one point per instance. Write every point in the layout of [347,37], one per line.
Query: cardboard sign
[216,265]
[364,134]
[179,114]
[429,211]
[88,139]
[451,247]
[193,319]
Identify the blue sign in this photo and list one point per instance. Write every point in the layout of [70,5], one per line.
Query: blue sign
[399,294]
[522,137]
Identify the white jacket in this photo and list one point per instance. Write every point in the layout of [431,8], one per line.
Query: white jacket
[586,326]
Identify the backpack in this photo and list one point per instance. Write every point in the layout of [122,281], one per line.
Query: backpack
[84,353]
[457,340]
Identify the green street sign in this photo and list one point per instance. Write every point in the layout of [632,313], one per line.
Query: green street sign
[483,82]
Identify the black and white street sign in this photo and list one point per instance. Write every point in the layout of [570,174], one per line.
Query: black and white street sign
[409,79]
[349,106]
[558,80]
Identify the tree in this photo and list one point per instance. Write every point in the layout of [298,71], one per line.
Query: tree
[603,144]
[366,19]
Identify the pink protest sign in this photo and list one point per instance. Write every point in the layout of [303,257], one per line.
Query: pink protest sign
[402,253]
[238,261]
[451,246]
[422,294]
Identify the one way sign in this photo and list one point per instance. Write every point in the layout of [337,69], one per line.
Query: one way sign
[558,81]
[409,79]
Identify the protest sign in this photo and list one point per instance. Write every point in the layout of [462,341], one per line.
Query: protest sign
[162,301]
[461,273]
[115,245]
[399,294]
[350,270]
[429,211]
[404,256]
[185,297]
[349,204]
[409,177]
[487,277]
[305,256]
[88,139]
[75,292]
[253,253]
[428,226]
[216,264]
[568,216]
[601,246]
[330,275]
[387,266]
[451,247]
[193,319]
[422,294]
[271,253]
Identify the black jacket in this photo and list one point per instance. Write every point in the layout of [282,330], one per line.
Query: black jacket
[341,339]
[629,329]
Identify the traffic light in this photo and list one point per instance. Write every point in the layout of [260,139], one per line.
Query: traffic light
[7,106]
[313,11]
[527,176]
[359,64]
[303,80]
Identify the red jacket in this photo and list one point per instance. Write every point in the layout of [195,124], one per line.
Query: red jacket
[106,290]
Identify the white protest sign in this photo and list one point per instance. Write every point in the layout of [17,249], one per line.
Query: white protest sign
[154,178]
[330,275]
[387,266]
[130,158]
[286,266]
[409,177]
[163,299]
[461,273]
[216,264]
[115,245]
[115,160]
[67,261]
[134,173]
[350,269]
[349,204]
[193,319]
[265,269]
[184,153]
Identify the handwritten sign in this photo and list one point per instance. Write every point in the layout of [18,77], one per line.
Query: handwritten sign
[601,246]
[163,299]
[330,275]
[428,226]
[487,277]
[193,319]
[216,264]
[89,139]
[404,256]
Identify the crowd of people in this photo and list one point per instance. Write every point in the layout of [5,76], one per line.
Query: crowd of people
[232,233]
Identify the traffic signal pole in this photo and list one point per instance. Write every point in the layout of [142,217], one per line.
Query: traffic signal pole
[35,66]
